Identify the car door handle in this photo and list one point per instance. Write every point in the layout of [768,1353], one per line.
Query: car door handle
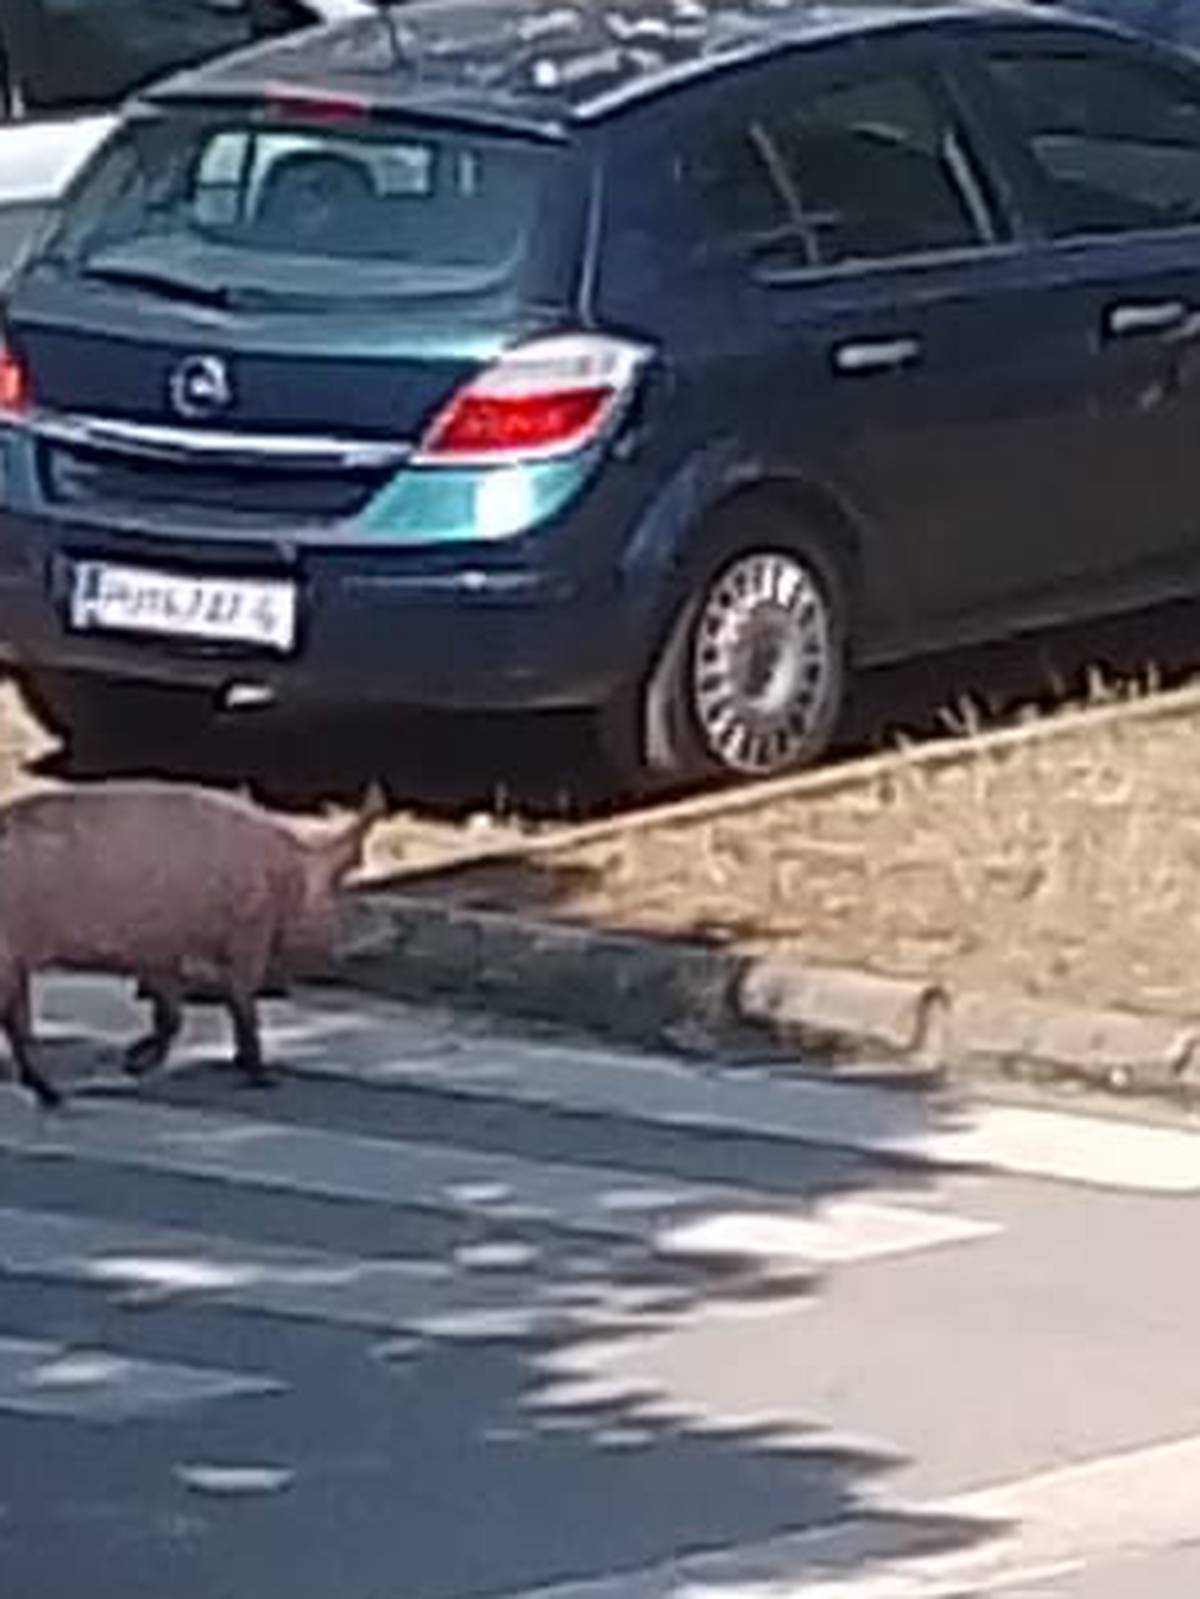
[1145,316]
[875,355]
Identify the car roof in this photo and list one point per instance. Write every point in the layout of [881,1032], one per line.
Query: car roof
[542,65]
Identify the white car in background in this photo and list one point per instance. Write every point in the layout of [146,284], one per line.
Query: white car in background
[65,66]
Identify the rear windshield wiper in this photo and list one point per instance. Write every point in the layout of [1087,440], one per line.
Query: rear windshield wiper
[160,283]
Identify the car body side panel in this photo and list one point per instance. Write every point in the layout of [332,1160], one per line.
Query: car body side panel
[945,466]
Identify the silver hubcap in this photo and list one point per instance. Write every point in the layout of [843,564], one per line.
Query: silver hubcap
[761,663]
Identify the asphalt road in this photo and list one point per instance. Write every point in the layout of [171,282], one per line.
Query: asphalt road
[450,1313]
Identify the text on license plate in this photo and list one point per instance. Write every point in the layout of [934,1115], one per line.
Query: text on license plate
[131,599]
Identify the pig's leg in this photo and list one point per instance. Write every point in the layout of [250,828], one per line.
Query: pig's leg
[243,970]
[17,1022]
[247,1054]
[149,1052]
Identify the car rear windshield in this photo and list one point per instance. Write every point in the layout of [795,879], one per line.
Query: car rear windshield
[237,208]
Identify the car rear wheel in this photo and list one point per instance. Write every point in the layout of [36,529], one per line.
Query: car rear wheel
[101,716]
[751,680]
[763,671]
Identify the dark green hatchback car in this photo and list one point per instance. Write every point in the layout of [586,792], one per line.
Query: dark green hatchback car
[665,360]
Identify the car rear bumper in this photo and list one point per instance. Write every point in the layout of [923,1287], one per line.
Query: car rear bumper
[433,631]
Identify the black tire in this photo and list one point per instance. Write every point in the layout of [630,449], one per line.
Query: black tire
[751,679]
[97,717]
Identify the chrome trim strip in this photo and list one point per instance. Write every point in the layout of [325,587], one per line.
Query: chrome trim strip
[189,444]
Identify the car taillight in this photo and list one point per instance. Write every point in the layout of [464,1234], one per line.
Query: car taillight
[548,398]
[14,382]
[284,101]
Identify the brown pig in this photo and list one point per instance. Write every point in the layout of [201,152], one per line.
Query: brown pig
[154,881]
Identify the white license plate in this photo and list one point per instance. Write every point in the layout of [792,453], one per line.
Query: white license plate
[130,599]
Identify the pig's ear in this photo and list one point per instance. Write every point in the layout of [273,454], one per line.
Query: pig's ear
[343,851]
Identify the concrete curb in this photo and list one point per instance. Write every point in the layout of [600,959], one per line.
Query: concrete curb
[1109,1049]
[694,996]
[831,1006]
[634,988]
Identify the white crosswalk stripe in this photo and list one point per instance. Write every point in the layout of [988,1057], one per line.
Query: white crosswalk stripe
[933,1131]
[499,1188]
[840,1232]
[48,1379]
[384,1047]
[162,1264]
[490,1289]
[604,1202]
[502,1279]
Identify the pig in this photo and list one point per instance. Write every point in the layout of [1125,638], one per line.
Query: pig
[156,881]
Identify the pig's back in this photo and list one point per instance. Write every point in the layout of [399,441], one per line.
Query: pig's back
[127,875]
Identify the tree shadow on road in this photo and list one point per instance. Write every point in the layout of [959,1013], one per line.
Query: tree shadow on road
[494,1448]
[448,1460]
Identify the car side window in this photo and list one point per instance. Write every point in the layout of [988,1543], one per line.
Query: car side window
[75,55]
[864,169]
[1115,143]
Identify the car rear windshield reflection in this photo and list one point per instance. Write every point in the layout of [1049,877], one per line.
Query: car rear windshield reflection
[226,209]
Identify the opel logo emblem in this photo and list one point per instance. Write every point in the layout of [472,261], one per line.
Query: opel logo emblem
[201,387]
